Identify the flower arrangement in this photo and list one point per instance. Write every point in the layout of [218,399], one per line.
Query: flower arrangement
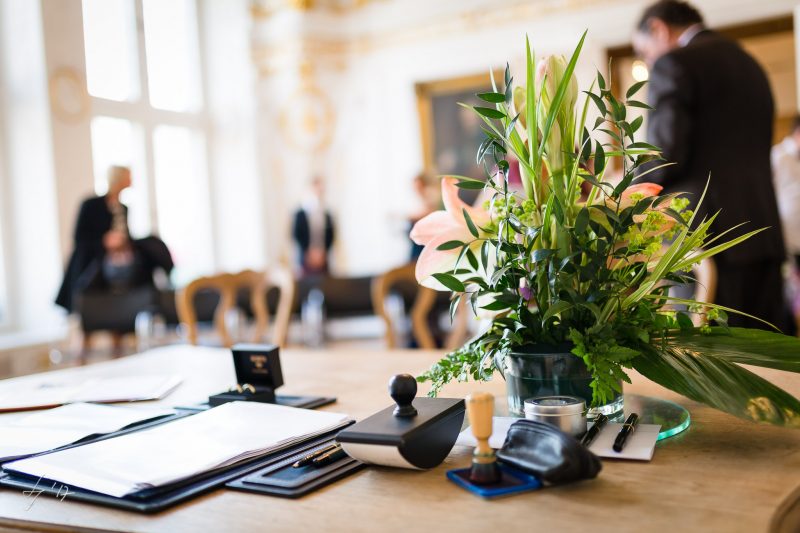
[578,260]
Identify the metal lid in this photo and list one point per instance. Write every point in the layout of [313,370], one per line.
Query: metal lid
[554,405]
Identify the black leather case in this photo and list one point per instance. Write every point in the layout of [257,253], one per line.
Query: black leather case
[547,453]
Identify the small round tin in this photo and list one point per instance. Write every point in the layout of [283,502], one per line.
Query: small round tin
[567,413]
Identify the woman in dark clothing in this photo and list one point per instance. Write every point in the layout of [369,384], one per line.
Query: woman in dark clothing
[97,218]
[105,258]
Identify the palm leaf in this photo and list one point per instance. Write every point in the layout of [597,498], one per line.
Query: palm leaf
[742,345]
[719,383]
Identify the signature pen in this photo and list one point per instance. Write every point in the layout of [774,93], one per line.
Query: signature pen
[599,421]
[308,459]
[627,430]
[329,457]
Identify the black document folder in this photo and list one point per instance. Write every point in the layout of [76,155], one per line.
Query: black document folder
[159,498]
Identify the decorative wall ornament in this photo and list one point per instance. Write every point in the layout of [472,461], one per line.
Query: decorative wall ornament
[69,98]
[264,9]
[307,117]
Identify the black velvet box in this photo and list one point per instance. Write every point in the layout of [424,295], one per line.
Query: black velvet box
[256,365]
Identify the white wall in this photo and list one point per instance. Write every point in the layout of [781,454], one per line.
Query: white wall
[367,61]
[28,193]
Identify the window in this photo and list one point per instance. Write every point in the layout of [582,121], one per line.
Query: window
[183,203]
[170,36]
[117,141]
[109,32]
[149,116]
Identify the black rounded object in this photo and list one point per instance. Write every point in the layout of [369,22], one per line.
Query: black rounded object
[403,390]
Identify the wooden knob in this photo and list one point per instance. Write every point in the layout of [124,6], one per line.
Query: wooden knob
[480,408]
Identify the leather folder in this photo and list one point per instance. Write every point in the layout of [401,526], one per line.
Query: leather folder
[160,498]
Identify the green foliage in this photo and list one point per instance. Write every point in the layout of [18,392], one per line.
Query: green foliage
[555,265]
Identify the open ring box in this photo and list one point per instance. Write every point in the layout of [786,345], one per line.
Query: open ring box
[258,365]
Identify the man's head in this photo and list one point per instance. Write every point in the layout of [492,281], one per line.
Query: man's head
[318,187]
[660,27]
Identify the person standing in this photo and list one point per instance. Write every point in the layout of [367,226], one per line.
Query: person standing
[313,231]
[786,176]
[102,227]
[713,116]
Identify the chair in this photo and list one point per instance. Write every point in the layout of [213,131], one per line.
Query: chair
[228,286]
[424,301]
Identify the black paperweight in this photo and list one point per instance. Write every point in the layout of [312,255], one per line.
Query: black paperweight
[415,433]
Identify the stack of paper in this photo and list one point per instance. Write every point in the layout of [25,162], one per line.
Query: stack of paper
[105,390]
[58,427]
[223,436]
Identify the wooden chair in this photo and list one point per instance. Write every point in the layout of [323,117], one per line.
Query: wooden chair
[424,302]
[228,286]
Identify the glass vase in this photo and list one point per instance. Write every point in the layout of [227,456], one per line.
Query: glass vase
[542,370]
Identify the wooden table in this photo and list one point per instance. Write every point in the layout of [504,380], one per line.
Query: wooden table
[723,474]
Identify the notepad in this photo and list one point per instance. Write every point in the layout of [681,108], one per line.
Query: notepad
[639,446]
[105,390]
[500,425]
[46,430]
[175,451]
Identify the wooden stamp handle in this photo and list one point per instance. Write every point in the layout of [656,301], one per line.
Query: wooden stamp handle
[480,408]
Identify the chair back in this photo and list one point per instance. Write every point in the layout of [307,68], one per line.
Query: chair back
[424,301]
[228,285]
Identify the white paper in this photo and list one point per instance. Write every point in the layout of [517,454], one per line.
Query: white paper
[221,436]
[500,425]
[45,430]
[105,390]
[639,446]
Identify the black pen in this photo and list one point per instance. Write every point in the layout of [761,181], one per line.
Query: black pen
[329,457]
[627,430]
[313,455]
[599,421]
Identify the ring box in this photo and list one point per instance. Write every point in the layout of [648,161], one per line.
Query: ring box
[258,365]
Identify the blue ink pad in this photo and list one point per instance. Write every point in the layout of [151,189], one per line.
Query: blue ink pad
[511,482]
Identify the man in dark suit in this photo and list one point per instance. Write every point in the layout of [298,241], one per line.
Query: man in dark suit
[713,116]
[313,231]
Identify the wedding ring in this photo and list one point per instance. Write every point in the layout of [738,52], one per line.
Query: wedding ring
[249,388]
[237,388]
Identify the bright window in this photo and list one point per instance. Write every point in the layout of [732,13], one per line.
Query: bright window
[116,141]
[157,126]
[182,200]
[170,35]
[109,32]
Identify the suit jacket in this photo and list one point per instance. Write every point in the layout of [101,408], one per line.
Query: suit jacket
[84,270]
[301,231]
[714,115]
[94,220]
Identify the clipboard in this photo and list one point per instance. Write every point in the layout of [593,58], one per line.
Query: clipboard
[160,498]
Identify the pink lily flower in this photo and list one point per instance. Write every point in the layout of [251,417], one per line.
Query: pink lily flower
[645,189]
[440,227]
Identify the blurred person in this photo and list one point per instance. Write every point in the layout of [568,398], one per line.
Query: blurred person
[105,257]
[714,115]
[102,226]
[313,231]
[428,200]
[786,176]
